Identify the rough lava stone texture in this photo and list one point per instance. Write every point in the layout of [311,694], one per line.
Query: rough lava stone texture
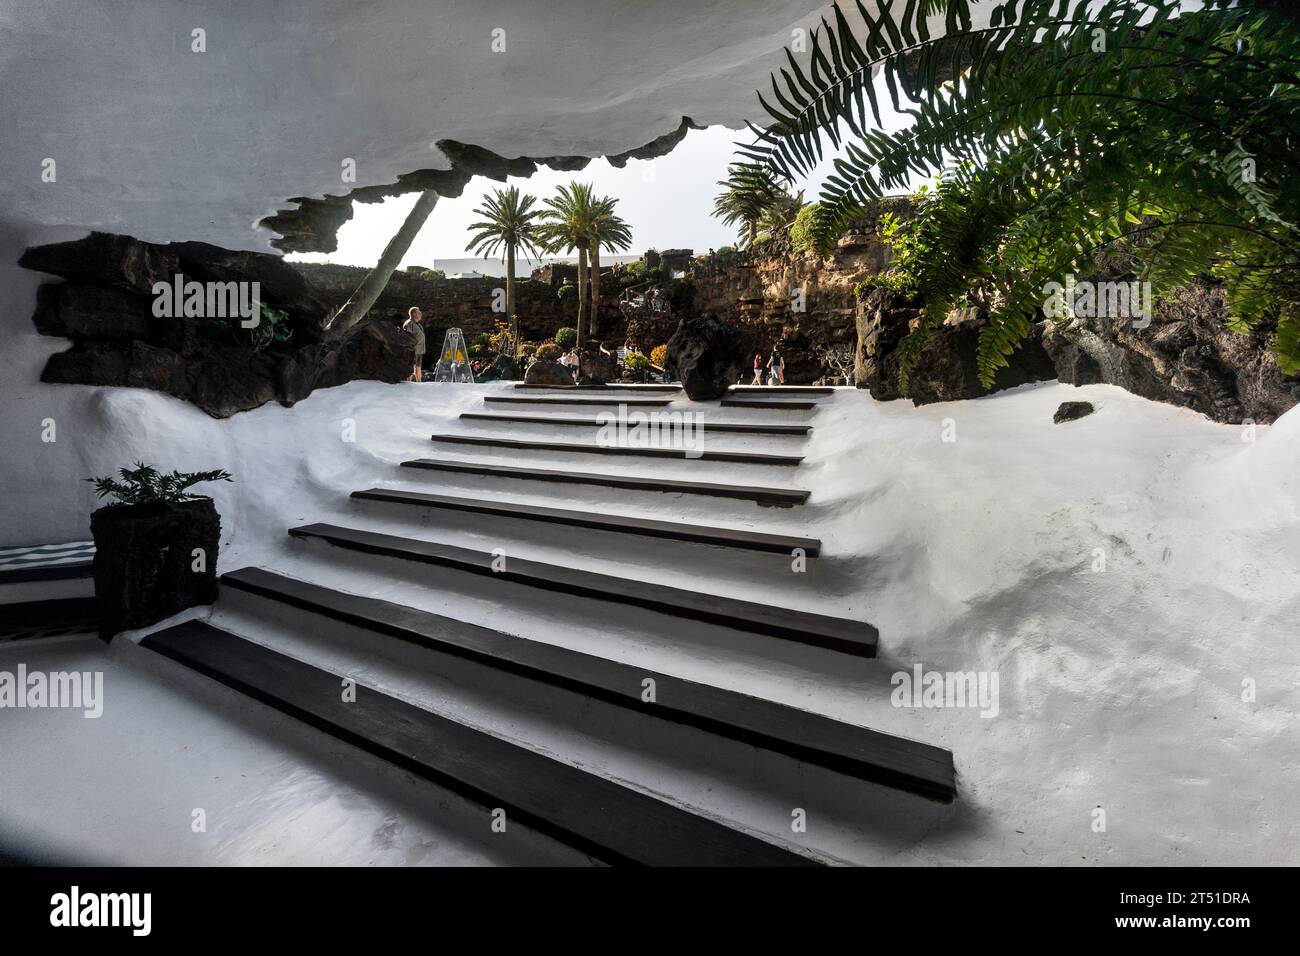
[547,372]
[1186,356]
[1072,411]
[144,561]
[596,367]
[946,370]
[707,356]
[106,308]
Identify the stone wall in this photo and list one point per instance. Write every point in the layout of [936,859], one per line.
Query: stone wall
[1187,356]
[465,303]
[105,306]
[797,302]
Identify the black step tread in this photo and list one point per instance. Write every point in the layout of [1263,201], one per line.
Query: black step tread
[624,524]
[811,738]
[604,819]
[706,427]
[599,388]
[780,497]
[818,630]
[522,444]
[781,390]
[775,403]
[548,400]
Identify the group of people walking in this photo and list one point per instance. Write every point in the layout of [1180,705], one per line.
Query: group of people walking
[771,372]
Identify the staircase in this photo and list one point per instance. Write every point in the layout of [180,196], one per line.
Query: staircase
[537,621]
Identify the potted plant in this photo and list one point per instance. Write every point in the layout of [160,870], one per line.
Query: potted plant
[155,546]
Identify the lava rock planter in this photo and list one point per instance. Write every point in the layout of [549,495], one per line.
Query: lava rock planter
[155,548]
[146,560]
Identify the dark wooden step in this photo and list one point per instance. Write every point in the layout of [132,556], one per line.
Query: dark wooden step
[810,738]
[731,427]
[706,427]
[548,400]
[622,524]
[597,388]
[777,497]
[520,444]
[604,819]
[774,403]
[802,627]
[781,390]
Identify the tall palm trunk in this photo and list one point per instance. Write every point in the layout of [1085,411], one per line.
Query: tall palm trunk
[512,318]
[582,295]
[355,309]
[595,289]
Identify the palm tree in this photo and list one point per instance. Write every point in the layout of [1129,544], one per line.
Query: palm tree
[782,211]
[509,223]
[355,309]
[749,192]
[567,225]
[615,235]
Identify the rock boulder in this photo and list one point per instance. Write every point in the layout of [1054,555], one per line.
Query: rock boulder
[547,372]
[707,356]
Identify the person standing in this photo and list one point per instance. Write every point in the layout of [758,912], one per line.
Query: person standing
[758,369]
[776,369]
[414,327]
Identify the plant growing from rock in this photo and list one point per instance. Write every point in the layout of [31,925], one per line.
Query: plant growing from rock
[273,328]
[155,546]
[1061,131]
[144,484]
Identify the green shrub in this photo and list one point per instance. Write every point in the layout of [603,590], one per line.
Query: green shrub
[801,233]
[549,350]
[636,361]
[564,291]
[566,338]
[144,484]
[272,328]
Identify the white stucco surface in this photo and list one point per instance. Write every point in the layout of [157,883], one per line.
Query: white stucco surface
[164,143]
[1129,577]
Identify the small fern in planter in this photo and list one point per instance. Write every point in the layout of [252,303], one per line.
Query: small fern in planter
[145,484]
[155,546]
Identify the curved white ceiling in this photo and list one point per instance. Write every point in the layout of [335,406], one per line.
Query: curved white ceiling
[158,141]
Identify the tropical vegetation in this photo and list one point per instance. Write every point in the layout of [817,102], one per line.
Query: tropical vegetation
[576,219]
[145,484]
[509,224]
[1057,134]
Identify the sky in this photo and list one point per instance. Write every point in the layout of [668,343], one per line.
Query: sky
[667,201]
